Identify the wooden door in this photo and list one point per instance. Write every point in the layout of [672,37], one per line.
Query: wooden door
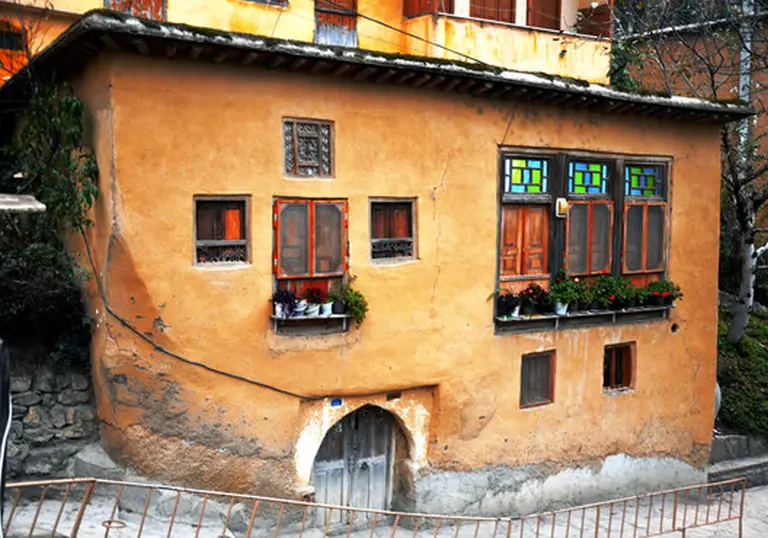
[353,465]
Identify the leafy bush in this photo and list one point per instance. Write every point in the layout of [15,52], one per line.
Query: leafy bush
[743,376]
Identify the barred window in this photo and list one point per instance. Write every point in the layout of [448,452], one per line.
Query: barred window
[221,230]
[308,147]
[392,229]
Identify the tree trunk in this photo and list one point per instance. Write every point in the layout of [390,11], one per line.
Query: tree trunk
[748,266]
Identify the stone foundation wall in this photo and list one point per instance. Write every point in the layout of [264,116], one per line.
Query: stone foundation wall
[54,417]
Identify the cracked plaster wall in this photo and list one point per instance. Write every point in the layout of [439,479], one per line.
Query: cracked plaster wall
[167,131]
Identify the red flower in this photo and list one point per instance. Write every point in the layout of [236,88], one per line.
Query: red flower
[665,294]
[655,292]
[604,271]
[612,298]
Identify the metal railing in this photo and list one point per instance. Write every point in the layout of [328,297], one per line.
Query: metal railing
[84,507]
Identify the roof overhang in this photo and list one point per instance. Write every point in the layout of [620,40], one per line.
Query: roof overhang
[101,30]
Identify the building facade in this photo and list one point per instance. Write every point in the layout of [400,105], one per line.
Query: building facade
[232,166]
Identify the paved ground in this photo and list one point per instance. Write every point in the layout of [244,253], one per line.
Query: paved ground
[215,524]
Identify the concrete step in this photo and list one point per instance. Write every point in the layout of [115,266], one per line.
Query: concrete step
[734,447]
[754,469]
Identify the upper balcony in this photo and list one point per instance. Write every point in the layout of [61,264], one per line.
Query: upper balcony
[566,38]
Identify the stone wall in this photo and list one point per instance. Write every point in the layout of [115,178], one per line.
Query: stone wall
[53,418]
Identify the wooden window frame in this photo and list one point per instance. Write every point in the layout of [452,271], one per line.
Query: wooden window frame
[246,199]
[311,203]
[644,270]
[295,173]
[522,220]
[591,204]
[414,227]
[610,354]
[552,370]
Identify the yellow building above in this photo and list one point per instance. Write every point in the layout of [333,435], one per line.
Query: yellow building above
[563,38]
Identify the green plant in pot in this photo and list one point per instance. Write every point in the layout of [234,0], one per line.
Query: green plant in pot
[507,303]
[664,292]
[315,297]
[534,299]
[563,292]
[610,292]
[284,302]
[336,297]
[356,305]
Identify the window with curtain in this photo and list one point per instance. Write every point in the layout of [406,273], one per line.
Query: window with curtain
[311,238]
[220,230]
[589,226]
[392,229]
[537,379]
[645,218]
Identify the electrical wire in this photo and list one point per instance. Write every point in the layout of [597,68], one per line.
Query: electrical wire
[346,11]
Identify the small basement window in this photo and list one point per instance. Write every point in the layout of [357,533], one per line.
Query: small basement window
[618,367]
[537,379]
[392,230]
[220,230]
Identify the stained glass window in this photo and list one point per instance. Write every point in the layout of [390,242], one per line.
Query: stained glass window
[526,176]
[587,177]
[642,180]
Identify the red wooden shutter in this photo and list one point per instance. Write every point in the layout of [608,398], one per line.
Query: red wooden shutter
[524,235]
[544,14]
[495,10]
[511,239]
[341,13]
[233,222]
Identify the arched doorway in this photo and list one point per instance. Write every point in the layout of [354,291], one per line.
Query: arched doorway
[355,463]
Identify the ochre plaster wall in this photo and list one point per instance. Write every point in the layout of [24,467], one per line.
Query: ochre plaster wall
[169,131]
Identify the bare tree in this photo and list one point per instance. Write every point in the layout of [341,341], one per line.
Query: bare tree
[24,30]
[715,50]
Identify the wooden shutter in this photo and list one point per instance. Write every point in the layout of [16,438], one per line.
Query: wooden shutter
[207,221]
[495,10]
[645,237]
[596,21]
[544,14]
[339,13]
[524,235]
[234,221]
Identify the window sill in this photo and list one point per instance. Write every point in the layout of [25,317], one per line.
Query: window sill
[576,320]
[311,325]
[222,266]
[536,405]
[617,392]
[393,262]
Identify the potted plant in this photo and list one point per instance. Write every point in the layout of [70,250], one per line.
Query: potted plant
[563,292]
[507,303]
[356,305]
[315,297]
[336,296]
[664,292]
[284,302]
[533,299]
[609,292]
[326,308]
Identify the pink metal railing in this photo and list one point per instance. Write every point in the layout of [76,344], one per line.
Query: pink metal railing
[94,507]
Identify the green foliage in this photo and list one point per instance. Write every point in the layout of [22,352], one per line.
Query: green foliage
[356,305]
[39,283]
[608,289]
[743,376]
[626,56]
[564,290]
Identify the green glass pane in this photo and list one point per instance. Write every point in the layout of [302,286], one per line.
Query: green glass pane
[649,192]
[596,179]
[517,175]
[518,163]
[536,176]
[580,189]
[578,178]
[594,167]
[534,188]
[651,182]
[635,182]
[636,170]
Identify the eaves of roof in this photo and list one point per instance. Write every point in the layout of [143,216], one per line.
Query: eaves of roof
[109,30]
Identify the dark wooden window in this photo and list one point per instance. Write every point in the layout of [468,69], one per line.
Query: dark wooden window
[537,379]
[221,230]
[495,10]
[392,229]
[589,230]
[524,235]
[311,238]
[645,218]
[544,14]
[596,21]
[618,367]
[148,9]
[308,147]
[336,22]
